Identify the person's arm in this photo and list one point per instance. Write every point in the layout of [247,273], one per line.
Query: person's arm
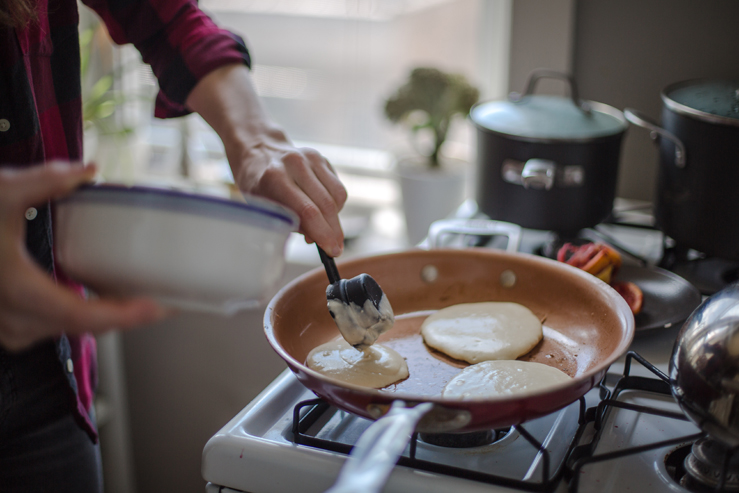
[32,306]
[264,162]
[203,68]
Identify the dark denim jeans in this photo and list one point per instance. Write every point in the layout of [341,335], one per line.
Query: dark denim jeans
[42,449]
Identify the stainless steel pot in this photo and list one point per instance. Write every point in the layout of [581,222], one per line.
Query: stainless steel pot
[696,199]
[704,368]
[547,162]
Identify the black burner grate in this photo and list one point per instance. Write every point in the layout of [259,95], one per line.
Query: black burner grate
[579,455]
[583,455]
[307,413]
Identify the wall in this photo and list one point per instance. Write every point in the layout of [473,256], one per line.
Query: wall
[626,52]
[541,37]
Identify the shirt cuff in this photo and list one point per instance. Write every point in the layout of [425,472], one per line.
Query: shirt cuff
[229,49]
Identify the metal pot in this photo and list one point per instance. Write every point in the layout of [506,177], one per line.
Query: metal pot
[704,368]
[696,199]
[547,162]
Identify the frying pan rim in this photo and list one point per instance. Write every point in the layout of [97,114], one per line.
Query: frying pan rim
[625,341]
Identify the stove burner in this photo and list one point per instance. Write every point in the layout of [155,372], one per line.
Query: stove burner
[675,463]
[704,467]
[464,440]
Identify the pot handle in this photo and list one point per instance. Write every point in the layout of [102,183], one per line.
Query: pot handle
[655,131]
[551,74]
[373,457]
[480,227]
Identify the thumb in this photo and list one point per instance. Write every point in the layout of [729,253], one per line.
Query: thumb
[38,184]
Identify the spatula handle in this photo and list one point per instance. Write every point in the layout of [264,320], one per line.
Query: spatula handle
[328,262]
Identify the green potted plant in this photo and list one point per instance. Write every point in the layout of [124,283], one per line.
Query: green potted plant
[429,100]
[99,99]
[108,137]
[432,184]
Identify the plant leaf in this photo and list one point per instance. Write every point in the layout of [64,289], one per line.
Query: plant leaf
[105,109]
[85,50]
[100,87]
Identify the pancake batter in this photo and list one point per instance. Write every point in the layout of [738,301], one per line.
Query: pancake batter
[377,366]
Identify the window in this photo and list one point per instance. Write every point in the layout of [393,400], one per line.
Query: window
[324,69]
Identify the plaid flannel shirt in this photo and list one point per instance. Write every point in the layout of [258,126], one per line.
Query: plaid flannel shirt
[41,110]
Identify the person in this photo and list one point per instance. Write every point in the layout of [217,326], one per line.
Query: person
[48,440]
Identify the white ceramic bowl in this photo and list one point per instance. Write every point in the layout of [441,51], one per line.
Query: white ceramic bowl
[184,250]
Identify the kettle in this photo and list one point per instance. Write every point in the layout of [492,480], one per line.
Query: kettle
[704,367]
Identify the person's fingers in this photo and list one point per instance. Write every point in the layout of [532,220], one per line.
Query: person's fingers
[38,184]
[85,316]
[313,224]
[330,182]
[77,315]
[22,325]
[303,172]
[103,314]
[279,183]
[327,176]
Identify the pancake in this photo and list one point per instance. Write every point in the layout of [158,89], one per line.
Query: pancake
[502,378]
[476,332]
[377,366]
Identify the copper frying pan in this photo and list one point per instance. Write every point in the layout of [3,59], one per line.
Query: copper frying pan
[587,326]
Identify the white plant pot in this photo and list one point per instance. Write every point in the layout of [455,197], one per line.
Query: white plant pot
[430,194]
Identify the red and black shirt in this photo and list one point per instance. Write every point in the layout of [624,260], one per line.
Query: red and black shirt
[41,109]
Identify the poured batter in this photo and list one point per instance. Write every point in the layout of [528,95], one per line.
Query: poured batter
[362,325]
[476,332]
[502,378]
[377,366]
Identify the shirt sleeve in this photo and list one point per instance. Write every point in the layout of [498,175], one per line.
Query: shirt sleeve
[180,42]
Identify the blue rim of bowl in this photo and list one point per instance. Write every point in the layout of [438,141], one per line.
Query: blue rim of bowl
[265,212]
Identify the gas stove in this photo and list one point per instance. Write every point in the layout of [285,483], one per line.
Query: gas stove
[287,440]
[627,434]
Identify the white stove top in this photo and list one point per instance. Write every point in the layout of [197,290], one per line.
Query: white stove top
[255,452]
[645,471]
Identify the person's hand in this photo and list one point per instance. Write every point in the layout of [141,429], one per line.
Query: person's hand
[299,178]
[32,306]
[263,160]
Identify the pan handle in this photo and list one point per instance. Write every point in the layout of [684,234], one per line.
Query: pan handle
[655,131]
[480,227]
[373,457]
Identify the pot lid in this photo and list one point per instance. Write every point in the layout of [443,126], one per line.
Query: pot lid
[716,101]
[542,117]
